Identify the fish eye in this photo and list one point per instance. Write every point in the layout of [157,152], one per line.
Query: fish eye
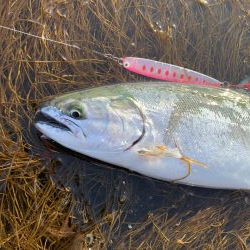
[74,113]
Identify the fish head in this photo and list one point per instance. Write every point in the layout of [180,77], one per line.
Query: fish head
[91,121]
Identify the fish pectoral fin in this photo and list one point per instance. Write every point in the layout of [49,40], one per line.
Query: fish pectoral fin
[164,151]
[151,152]
[161,151]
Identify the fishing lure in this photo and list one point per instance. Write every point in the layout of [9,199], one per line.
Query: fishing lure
[174,73]
[153,69]
[168,72]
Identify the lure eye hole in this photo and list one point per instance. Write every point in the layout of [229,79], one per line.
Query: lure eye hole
[126,64]
[74,113]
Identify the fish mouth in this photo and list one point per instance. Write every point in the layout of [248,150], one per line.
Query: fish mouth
[50,118]
[44,118]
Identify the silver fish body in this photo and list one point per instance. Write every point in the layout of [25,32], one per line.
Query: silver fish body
[158,129]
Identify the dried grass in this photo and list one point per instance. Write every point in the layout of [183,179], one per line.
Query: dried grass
[208,36]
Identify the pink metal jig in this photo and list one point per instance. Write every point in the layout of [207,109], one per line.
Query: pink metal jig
[167,72]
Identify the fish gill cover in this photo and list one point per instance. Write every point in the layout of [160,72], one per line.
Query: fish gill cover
[55,199]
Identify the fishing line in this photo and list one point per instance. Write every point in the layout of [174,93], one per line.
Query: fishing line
[106,55]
